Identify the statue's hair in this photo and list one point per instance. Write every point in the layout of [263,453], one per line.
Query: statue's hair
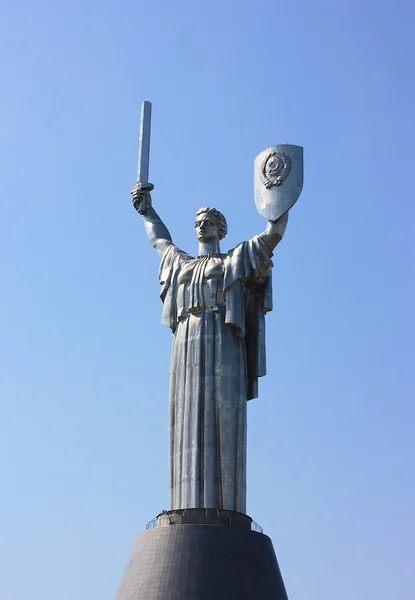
[218,217]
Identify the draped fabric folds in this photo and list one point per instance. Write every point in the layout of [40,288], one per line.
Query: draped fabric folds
[215,307]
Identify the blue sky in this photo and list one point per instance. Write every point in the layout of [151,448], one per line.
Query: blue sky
[83,357]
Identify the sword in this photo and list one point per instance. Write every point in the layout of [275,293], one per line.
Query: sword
[144,148]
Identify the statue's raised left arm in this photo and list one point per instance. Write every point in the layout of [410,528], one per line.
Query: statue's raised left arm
[274,232]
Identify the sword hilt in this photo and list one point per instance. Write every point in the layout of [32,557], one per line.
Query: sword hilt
[144,186]
[141,186]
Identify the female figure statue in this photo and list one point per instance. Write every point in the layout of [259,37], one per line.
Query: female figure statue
[215,306]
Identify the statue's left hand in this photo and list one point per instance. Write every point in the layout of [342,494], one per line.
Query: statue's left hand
[275,231]
[280,224]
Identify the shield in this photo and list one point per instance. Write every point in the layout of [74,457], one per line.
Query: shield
[278,179]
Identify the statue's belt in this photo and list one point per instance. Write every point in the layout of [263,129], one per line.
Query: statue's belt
[218,308]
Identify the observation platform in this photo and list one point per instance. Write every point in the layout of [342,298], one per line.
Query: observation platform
[202,554]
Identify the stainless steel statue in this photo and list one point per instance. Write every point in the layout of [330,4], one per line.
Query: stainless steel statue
[215,305]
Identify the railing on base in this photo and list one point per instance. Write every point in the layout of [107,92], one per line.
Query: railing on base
[155,522]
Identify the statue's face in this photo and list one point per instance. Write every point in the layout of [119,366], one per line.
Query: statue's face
[206,228]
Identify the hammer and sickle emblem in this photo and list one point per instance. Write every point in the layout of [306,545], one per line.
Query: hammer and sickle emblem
[275,169]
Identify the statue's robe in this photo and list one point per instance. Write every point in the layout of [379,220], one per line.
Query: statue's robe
[215,306]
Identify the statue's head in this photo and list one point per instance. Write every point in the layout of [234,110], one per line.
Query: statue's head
[210,224]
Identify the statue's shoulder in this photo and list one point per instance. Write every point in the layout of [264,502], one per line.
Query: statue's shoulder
[254,242]
[174,256]
[237,249]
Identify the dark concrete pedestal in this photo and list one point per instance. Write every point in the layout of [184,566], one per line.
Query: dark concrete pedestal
[188,561]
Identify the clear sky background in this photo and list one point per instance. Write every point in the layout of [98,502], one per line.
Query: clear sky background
[84,359]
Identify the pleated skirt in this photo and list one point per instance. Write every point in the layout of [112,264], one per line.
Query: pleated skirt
[207,415]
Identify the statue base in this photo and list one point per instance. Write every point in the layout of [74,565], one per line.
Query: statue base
[202,554]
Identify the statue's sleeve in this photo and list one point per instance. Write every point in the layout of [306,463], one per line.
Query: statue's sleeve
[249,261]
[248,296]
[170,265]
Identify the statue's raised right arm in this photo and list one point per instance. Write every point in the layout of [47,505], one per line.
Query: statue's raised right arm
[156,231]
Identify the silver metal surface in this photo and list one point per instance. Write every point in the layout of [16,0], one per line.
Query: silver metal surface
[144,145]
[278,179]
[215,305]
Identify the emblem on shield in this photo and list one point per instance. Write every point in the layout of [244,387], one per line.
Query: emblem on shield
[278,179]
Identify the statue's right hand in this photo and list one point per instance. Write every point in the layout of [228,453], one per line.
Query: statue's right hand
[141,199]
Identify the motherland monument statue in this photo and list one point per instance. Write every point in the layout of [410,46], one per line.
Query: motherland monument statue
[215,305]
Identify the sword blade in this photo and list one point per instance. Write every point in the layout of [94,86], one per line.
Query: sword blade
[144,143]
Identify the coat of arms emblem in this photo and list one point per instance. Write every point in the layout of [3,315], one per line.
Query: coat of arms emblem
[278,179]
